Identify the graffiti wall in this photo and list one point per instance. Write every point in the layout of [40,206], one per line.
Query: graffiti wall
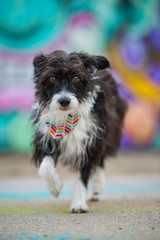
[125,31]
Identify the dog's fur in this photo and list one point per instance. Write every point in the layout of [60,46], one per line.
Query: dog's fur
[97,136]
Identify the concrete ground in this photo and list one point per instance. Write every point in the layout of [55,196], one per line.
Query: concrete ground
[130,208]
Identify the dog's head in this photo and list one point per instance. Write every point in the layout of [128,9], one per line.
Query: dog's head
[64,80]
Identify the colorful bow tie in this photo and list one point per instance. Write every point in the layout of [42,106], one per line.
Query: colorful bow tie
[60,128]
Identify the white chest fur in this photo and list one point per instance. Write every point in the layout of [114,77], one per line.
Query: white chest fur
[73,145]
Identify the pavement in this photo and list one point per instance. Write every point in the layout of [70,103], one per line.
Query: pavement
[129,209]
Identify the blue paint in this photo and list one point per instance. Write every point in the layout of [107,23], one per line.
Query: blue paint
[84,239]
[11,195]
[123,189]
[23,234]
[64,236]
[139,188]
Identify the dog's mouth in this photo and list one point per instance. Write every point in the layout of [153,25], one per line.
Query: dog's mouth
[64,108]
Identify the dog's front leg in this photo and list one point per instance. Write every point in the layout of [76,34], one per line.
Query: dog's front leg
[79,204]
[79,198]
[48,172]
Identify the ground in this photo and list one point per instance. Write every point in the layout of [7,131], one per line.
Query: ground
[130,207]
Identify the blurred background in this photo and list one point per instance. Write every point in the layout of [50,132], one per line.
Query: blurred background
[127,32]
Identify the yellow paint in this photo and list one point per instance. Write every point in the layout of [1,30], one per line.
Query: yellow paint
[137,81]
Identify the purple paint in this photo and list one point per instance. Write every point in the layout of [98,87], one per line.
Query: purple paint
[133,51]
[154,72]
[154,37]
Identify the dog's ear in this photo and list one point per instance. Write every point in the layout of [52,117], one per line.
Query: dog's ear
[101,62]
[90,61]
[39,63]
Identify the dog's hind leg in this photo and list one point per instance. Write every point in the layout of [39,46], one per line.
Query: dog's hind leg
[97,184]
[48,172]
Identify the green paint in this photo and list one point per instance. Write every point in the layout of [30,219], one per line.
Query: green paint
[25,24]
[122,210]
[16,210]
[109,210]
[142,208]
[27,210]
[157,208]
[63,210]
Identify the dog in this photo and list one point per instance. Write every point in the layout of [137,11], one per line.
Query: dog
[78,117]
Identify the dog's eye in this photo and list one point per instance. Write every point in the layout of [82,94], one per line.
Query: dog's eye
[75,79]
[52,79]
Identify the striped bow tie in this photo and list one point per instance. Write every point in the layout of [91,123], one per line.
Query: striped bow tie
[60,128]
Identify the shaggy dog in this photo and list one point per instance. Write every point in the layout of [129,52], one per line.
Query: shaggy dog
[78,117]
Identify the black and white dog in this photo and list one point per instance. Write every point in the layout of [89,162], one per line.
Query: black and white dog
[75,85]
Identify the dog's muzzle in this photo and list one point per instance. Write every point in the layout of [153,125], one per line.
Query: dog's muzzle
[64,101]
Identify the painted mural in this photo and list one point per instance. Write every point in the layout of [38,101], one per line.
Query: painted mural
[125,31]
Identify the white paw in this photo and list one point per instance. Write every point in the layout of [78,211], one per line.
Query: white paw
[95,197]
[79,208]
[54,187]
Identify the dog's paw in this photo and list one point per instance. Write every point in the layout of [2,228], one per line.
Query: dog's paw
[95,197]
[55,187]
[79,208]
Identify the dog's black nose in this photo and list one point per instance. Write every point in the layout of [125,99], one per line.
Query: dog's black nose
[64,101]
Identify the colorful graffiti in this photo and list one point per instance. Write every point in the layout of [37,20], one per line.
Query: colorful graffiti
[127,32]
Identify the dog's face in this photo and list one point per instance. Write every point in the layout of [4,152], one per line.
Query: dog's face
[64,80]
